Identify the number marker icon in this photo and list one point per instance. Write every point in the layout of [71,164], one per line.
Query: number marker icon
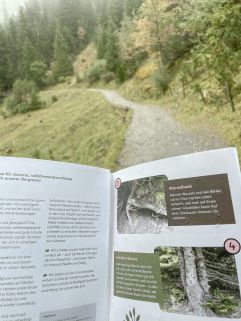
[232,246]
[117,183]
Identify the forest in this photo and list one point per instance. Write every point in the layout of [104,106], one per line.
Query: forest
[187,39]
[199,281]
[181,53]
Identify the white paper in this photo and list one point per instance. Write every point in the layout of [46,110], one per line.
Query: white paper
[217,162]
[55,221]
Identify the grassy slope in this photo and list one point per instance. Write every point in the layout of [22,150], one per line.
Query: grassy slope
[189,110]
[81,127]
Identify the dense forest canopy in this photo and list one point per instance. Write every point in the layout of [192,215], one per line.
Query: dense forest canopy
[186,36]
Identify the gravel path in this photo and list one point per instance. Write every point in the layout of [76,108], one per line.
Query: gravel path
[154,134]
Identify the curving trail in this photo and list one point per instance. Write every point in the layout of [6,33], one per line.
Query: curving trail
[155,134]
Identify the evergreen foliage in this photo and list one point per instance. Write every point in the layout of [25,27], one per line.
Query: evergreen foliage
[44,34]
[24,98]
[186,38]
[111,48]
[3,61]
[62,62]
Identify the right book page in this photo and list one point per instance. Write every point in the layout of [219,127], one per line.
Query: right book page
[176,239]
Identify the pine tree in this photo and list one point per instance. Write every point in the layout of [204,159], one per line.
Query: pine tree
[46,38]
[131,7]
[3,61]
[67,17]
[101,43]
[111,48]
[29,55]
[62,62]
[116,11]
[13,52]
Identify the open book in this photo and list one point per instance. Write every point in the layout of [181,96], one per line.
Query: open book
[157,241]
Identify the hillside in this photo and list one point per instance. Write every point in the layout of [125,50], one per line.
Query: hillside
[212,118]
[80,127]
[190,110]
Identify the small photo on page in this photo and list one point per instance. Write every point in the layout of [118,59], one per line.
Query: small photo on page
[199,282]
[141,206]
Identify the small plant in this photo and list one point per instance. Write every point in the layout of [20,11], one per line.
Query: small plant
[108,76]
[132,316]
[54,99]
[78,78]
[95,73]
[36,153]
[179,295]
[162,81]
[222,304]
[51,154]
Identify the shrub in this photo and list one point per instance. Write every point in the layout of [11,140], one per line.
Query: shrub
[49,79]
[78,78]
[162,81]
[95,73]
[54,99]
[24,98]
[222,303]
[36,153]
[108,76]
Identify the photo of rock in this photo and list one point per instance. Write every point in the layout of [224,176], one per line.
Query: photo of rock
[141,206]
[199,282]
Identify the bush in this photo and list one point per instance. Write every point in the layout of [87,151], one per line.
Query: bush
[162,81]
[95,73]
[222,303]
[78,78]
[24,98]
[36,153]
[49,79]
[62,79]
[54,99]
[108,76]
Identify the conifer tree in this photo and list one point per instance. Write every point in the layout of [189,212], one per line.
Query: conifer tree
[116,11]
[3,60]
[62,62]
[29,55]
[13,52]
[112,49]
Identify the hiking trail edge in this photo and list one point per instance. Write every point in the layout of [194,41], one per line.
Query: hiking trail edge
[154,134]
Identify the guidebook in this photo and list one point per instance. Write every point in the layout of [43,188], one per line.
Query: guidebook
[155,242]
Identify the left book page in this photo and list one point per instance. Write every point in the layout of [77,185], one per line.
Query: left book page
[54,240]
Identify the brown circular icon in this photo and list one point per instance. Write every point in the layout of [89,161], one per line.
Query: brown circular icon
[232,246]
[117,183]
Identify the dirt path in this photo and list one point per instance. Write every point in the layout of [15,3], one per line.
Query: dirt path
[154,134]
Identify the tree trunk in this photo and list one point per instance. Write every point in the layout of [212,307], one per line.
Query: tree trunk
[202,272]
[194,291]
[202,96]
[129,201]
[230,95]
[182,266]
[183,88]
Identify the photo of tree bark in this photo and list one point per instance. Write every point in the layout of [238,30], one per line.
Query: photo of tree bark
[141,206]
[199,281]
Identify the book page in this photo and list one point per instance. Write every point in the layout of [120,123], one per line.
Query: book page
[176,242]
[54,230]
